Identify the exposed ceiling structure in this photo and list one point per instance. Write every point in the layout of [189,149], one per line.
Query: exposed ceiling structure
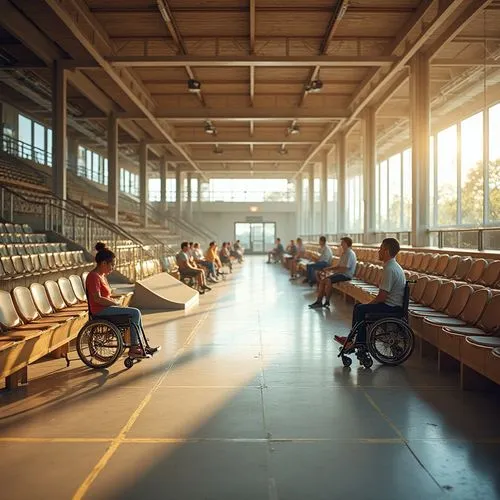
[247,86]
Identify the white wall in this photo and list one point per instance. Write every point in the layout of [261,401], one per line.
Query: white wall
[222,223]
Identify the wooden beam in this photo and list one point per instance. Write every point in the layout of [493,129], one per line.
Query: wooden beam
[257,61]
[472,10]
[252,27]
[457,63]
[387,95]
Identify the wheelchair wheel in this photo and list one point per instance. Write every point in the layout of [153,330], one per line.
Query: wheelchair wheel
[390,341]
[99,343]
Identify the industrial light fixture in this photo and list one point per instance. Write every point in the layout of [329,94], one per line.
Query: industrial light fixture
[218,150]
[254,209]
[293,129]
[194,86]
[314,86]
[209,128]
[282,150]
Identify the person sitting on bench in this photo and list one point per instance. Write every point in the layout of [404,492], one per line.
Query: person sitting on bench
[344,271]
[189,270]
[212,256]
[225,256]
[102,305]
[200,260]
[237,251]
[299,254]
[324,260]
[276,253]
[391,291]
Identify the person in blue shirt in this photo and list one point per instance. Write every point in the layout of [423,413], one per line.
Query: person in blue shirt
[324,260]
[344,271]
[276,253]
[391,291]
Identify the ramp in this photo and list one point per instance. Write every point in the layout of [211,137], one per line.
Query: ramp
[163,292]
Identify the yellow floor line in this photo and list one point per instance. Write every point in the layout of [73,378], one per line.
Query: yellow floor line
[54,440]
[115,444]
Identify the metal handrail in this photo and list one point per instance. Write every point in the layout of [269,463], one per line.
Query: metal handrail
[480,230]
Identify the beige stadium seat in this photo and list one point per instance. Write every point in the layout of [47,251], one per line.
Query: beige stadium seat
[432,326]
[84,277]
[453,337]
[455,306]
[417,289]
[452,266]
[442,264]
[491,274]
[77,284]
[51,261]
[57,301]
[9,268]
[463,269]
[432,263]
[41,300]
[476,271]
[68,293]
[417,261]
[425,263]
[409,261]
[428,296]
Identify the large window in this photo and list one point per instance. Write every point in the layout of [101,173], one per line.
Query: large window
[250,190]
[447,176]
[354,195]
[93,166]
[493,172]
[35,141]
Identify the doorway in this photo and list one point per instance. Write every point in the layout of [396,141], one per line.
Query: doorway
[255,237]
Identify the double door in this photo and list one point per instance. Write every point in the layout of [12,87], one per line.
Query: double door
[256,237]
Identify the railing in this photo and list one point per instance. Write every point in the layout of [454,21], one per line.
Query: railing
[404,237]
[468,238]
[16,147]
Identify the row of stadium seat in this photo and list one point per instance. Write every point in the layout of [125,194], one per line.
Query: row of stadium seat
[31,248]
[7,227]
[459,319]
[19,266]
[22,238]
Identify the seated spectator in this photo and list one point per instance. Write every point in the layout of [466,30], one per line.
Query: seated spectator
[299,254]
[212,256]
[200,261]
[344,271]
[187,269]
[237,251]
[390,295]
[102,305]
[290,251]
[276,253]
[225,256]
[324,260]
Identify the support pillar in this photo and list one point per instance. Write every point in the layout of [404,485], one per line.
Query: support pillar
[59,128]
[143,182]
[299,204]
[324,193]
[342,163]
[189,203]
[178,193]
[420,117]
[369,169]
[113,169]
[310,218]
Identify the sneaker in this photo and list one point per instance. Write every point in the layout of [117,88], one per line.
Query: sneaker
[207,288]
[136,352]
[315,305]
[340,339]
[152,350]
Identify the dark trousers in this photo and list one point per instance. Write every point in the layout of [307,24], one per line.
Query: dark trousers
[312,268]
[361,310]
[338,277]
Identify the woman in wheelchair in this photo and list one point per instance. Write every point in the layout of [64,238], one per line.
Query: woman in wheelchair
[389,301]
[102,305]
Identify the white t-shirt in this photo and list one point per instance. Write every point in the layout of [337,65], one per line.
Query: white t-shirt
[326,255]
[393,282]
[348,260]
[197,254]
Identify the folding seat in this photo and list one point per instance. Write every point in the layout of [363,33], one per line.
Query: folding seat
[11,249]
[2,228]
[78,289]
[463,268]
[14,238]
[3,251]
[409,260]
[18,228]
[425,263]
[21,238]
[417,260]
[432,263]
[490,274]
[452,266]
[51,260]
[27,229]
[470,314]
[453,338]
[476,270]
[3,275]
[441,265]
[59,261]
[417,290]
[21,250]
[36,265]
[429,294]
[44,263]
[28,264]
[9,228]
[84,278]
[17,262]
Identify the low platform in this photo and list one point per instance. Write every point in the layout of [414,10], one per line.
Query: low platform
[163,292]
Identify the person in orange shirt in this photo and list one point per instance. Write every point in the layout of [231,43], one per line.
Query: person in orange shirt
[213,256]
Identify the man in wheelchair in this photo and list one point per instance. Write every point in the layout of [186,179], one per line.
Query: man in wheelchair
[102,305]
[388,302]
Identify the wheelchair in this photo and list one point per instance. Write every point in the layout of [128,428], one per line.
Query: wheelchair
[389,338]
[101,341]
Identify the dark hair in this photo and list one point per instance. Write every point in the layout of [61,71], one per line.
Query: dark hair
[392,245]
[190,243]
[196,244]
[100,246]
[278,239]
[211,244]
[184,244]
[322,239]
[347,241]
[299,239]
[104,255]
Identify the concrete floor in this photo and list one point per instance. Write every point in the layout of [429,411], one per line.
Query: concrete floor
[247,400]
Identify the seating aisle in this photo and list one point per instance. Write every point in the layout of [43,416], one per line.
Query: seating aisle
[247,400]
